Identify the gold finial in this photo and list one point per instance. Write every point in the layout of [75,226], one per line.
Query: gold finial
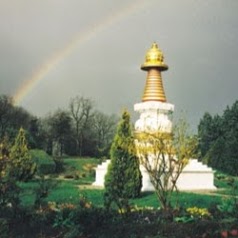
[154,58]
[154,64]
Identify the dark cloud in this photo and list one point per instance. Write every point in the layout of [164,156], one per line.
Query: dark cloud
[198,38]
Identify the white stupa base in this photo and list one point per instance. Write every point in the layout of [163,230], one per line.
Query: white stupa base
[101,171]
[146,184]
[195,176]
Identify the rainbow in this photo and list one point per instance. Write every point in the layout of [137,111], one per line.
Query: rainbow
[77,41]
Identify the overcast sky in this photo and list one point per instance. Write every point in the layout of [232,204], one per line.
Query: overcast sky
[199,40]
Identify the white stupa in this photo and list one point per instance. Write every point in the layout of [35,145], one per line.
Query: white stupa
[155,116]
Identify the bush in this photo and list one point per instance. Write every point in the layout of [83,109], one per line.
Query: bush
[4,229]
[89,221]
[22,167]
[45,164]
[9,191]
[123,179]
[59,164]
[45,186]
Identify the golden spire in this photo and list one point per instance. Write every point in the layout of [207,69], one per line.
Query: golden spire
[154,64]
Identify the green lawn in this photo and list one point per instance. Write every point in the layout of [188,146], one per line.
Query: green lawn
[183,199]
[70,192]
[66,184]
[73,183]
[79,163]
[81,171]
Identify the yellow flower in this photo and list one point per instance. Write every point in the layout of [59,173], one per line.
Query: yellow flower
[198,212]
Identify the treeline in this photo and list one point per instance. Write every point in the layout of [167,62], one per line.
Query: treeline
[80,130]
[218,140]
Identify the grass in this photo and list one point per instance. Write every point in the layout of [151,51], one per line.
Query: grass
[27,192]
[69,190]
[96,222]
[80,163]
[198,200]
[184,199]
[64,192]
[225,189]
[82,169]
[79,170]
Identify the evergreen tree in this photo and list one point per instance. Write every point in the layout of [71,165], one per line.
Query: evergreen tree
[219,140]
[22,166]
[123,179]
[230,133]
[4,156]
[209,130]
[9,192]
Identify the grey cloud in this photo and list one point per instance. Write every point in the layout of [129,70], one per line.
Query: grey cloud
[198,38]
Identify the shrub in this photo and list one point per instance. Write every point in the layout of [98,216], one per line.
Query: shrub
[59,164]
[4,228]
[90,168]
[9,192]
[22,166]
[42,190]
[123,179]
[69,176]
[198,212]
[45,164]
[89,220]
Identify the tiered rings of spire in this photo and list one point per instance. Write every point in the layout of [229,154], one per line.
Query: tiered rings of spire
[154,64]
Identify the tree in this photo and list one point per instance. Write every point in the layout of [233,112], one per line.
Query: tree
[206,133]
[104,129]
[6,107]
[164,155]
[230,135]
[35,138]
[218,140]
[215,157]
[81,113]
[22,167]
[12,118]
[60,127]
[123,179]
[4,157]
[9,192]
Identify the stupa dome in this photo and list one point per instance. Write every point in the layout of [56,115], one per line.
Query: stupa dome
[154,59]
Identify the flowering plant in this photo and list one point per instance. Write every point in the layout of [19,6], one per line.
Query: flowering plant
[197,212]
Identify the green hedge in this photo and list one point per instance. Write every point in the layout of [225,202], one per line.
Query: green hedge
[45,163]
